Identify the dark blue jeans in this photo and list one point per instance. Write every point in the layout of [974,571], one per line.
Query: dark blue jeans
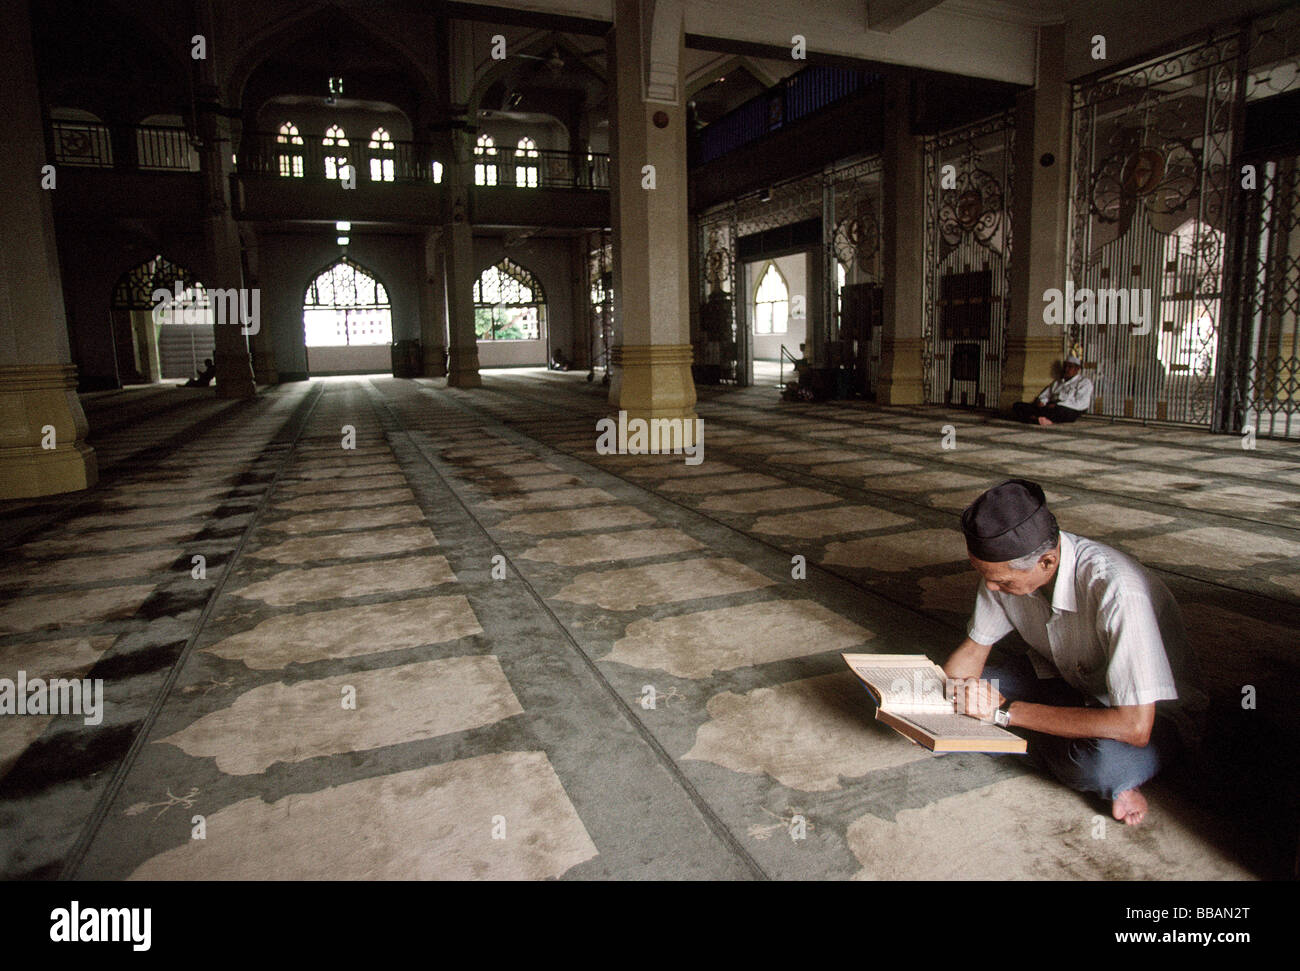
[1100,765]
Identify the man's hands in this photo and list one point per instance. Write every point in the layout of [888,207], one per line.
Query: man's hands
[976,698]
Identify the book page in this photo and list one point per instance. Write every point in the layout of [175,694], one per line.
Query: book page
[956,726]
[905,688]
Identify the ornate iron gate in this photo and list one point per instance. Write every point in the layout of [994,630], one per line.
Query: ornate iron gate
[967,244]
[1149,216]
[1263,393]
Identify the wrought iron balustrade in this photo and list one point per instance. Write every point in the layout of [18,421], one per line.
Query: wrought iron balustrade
[796,97]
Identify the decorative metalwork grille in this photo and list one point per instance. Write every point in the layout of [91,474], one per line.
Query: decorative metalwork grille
[135,289]
[968,175]
[509,303]
[600,296]
[1149,207]
[1264,393]
[344,306]
[718,343]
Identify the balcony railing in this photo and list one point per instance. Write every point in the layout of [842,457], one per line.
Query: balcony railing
[82,143]
[263,154]
[160,149]
[539,168]
[798,96]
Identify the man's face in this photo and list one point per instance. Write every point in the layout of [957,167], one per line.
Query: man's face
[1000,577]
[1071,370]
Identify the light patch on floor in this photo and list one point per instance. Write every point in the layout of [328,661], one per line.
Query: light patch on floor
[527,483]
[661,583]
[367,497]
[1146,480]
[1155,454]
[1290,582]
[1213,547]
[349,632]
[1243,498]
[721,483]
[87,569]
[63,658]
[753,502]
[340,485]
[626,545]
[813,456]
[899,551]
[1103,517]
[925,481]
[529,466]
[827,522]
[987,456]
[805,734]
[340,546]
[1061,468]
[959,499]
[675,467]
[73,609]
[698,644]
[434,823]
[571,520]
[1030,828]
[1244,464]
[312,522]
[555,499]
[286,588]
[341,471]
[294,722]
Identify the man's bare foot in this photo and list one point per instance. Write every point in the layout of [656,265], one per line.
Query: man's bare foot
[1042,420]
[1130,807]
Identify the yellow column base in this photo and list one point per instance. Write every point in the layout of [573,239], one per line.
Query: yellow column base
[33,398]
[900,372]
[652,380]
[1029,367]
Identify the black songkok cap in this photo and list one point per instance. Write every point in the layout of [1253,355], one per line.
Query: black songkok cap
[1009,521]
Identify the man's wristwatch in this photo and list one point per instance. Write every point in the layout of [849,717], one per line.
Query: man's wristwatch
[1002,717]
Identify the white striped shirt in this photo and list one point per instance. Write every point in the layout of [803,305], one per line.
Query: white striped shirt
[1111,630]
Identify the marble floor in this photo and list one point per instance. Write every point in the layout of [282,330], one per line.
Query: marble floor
[369,628]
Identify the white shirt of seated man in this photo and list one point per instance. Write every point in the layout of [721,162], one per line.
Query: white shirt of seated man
[1072,390]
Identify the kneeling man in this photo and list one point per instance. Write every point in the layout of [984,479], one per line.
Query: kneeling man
[1105,696]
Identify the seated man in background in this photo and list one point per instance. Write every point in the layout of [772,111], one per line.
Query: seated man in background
[204,377]
[1064,400]
[1106,696]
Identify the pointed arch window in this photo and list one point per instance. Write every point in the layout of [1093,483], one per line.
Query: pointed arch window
[526,163]
[290,152]
[381,155]
[485,172]
[345,306]
[336,159]
[509,304]
[771,302]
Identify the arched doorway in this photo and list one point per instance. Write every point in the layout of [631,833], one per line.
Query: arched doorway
[347,321]
[157,343]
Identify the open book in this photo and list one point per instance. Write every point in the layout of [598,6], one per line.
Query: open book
[912,700]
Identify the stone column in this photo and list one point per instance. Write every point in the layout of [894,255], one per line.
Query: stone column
[263,350]
[458,233]
[42,426]
[651,353]
[903,252]
[225,271]
[462,349]
[1040,202]
[433,306]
